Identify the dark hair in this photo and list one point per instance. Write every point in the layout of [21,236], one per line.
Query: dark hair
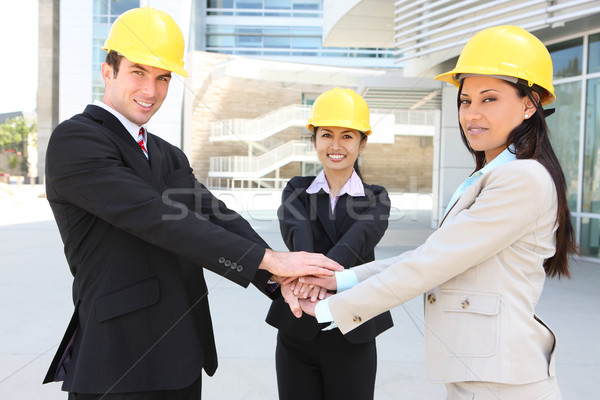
[531,141]
[363,137]
[114,60]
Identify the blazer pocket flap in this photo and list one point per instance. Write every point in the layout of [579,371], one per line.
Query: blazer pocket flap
[469,302]
[128,299]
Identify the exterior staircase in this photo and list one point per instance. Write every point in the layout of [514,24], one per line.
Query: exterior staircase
[254,168]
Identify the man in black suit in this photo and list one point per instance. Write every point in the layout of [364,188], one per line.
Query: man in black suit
[138,229]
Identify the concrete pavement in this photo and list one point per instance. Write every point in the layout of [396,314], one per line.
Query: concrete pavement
[35,307]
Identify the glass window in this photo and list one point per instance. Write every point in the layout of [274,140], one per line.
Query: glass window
[118,7]
[220,29]
[280,42]
[220,41]
[591,162]
[100,7]
[590,237]
[306,42]
[566,57]
[306,4]
[564,134]
[98,55]
[594,54]
[278,4]
[220,3]
[311,168]
[276,30]
[248,4]
[100,31]
[245,30]
[306,31]
[248,41]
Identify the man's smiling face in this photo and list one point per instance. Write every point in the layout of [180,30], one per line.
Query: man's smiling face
[137,91]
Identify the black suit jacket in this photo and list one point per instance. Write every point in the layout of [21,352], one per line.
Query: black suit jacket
[137,234]
[348,236]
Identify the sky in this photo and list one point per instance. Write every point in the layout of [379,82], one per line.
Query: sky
[19,44]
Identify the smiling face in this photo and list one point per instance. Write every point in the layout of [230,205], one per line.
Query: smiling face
[490,108]
[137,91]
[338,148]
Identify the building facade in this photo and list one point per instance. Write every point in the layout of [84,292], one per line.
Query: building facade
[428,37]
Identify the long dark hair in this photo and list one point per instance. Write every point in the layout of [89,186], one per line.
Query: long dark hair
[363,137]
[531,141]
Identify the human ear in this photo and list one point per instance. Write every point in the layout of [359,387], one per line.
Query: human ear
[363,143]
[530,108]
[107,73]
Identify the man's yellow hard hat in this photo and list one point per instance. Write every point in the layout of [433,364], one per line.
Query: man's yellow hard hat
[150,37]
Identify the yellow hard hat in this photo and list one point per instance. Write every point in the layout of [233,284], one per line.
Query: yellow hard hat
[340,107]
[150,37]
[506,51]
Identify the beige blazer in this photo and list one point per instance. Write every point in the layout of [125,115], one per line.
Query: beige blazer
[482,275]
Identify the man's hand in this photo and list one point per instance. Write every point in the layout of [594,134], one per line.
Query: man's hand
[298,264]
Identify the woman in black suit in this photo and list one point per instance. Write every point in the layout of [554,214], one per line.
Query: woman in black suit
[335,214]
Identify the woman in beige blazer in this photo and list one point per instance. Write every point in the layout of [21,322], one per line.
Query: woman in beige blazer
[506,228]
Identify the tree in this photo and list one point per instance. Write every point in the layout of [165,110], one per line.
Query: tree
[15,134]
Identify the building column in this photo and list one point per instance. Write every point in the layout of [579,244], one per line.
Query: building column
[452,162]
[48,66]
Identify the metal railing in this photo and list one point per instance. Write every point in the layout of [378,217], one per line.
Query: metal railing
[258,129]
[258,166]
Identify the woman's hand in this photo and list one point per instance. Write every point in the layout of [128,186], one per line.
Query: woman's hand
[326,282]
[291,299]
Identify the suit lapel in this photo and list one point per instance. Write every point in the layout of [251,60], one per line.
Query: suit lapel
[155,157]
[464,201]
[133,156]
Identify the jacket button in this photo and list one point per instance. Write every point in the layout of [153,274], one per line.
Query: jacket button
[233,265]
[221,260]
[227,263]
[431,298]
[465,304]
[239,268]
[357,319]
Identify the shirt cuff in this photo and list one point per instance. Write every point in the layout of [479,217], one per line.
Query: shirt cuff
[272,286]
[323,314]
[322,311]
[345,279]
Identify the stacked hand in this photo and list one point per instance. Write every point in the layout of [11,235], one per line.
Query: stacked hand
[303,294]
[305,278]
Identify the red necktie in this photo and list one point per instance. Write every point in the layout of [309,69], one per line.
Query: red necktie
[140,142]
